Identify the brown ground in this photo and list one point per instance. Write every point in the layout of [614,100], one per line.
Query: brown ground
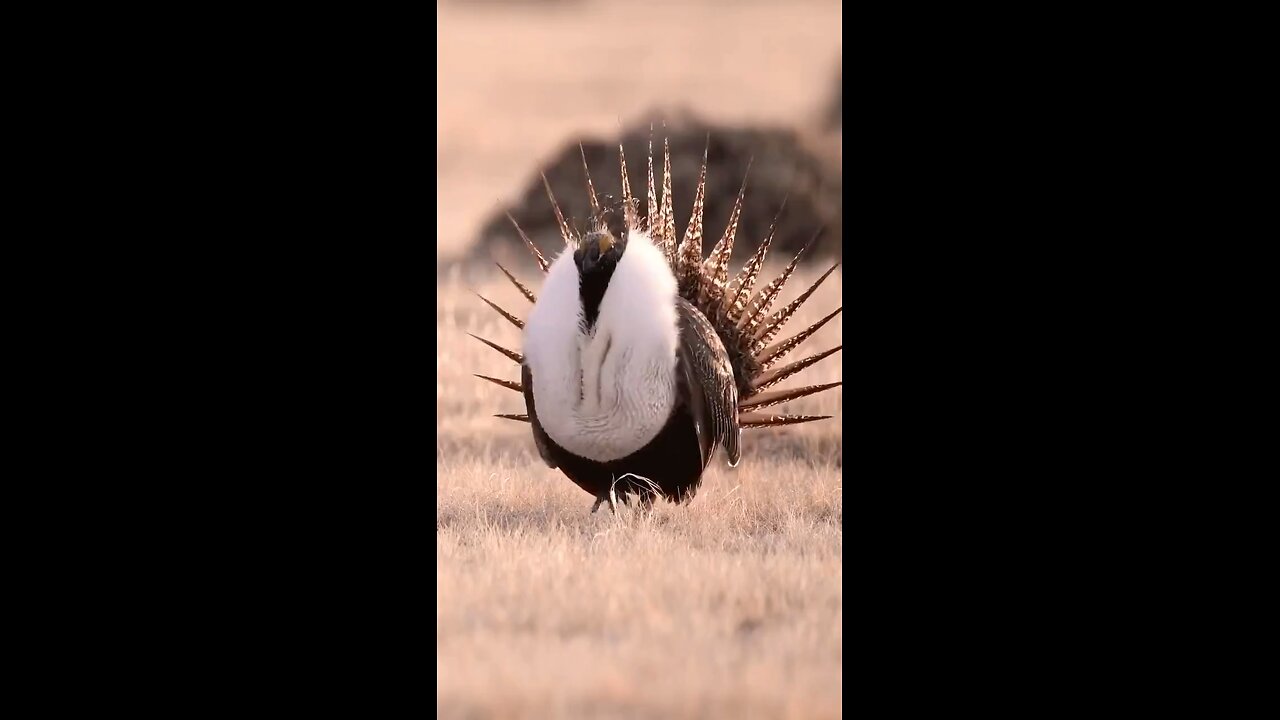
[728,607]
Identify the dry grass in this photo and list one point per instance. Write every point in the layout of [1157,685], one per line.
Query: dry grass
[727,607]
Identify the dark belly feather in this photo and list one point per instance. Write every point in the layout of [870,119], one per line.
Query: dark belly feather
[672,461]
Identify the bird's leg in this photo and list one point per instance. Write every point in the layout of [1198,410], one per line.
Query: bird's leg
[607,496]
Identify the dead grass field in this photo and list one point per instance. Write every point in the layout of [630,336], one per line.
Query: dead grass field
[729,607]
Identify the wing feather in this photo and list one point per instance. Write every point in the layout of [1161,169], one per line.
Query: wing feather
[708,374]
[539,435]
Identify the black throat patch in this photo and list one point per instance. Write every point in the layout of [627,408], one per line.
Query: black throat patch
[591,287]
[597,257]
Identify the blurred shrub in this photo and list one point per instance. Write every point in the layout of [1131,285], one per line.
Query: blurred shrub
[784,163]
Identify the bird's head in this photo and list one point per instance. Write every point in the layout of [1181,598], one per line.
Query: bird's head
[598,253]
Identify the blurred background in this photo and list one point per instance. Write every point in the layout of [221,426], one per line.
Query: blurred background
[522,82]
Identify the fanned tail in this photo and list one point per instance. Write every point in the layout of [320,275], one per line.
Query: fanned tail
[753,420]
[519,286]
[597,220]
[689,274]
[739,289]
[764,299]
[715,271]
[775,352]
[769,328]
[628,202]
[512,355]
[565,232]
[777,397]
[510,318]
[667,213]
[774,377]
[654,218]
[537,254]
[508,384]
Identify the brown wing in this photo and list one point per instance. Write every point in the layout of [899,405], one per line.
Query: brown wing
[539,436]
[709,378]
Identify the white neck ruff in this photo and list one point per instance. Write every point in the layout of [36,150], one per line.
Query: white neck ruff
[605,395]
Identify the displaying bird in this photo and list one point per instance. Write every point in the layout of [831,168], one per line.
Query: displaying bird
[641,356]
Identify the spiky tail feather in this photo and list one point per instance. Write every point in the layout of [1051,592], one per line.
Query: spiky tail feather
[740,318]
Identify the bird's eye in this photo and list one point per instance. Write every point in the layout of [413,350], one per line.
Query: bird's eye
[606,242]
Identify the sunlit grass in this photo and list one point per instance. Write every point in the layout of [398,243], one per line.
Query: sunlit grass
[729,606]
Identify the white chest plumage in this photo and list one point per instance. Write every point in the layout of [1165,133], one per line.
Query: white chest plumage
[604,395]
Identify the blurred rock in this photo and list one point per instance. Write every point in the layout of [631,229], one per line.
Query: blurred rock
[805,168]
